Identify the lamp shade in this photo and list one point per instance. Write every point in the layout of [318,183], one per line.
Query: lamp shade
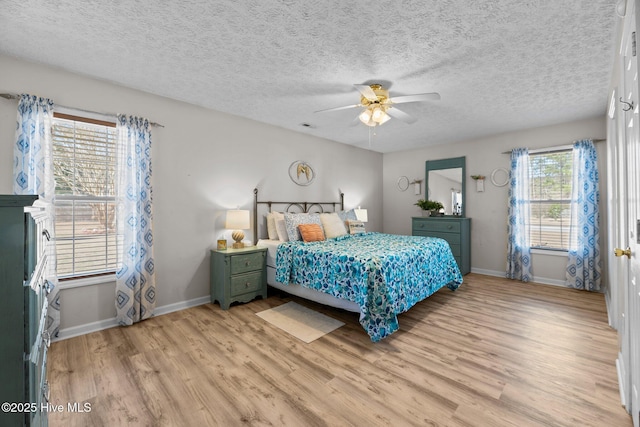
[237,219]
[361,214]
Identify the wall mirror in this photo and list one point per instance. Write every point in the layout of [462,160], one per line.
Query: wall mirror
[445,183]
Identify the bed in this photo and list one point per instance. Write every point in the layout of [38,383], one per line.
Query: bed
[374,274]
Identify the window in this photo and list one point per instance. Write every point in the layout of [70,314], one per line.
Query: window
[550,175]
[84,170]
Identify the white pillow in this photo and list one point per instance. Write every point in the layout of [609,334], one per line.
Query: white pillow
[271,224]
[281,230]
[271,227]
[333,225]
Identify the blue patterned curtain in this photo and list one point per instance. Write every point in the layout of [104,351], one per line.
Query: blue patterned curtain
[584,266]
[33,175]
[519,247]
[135,280]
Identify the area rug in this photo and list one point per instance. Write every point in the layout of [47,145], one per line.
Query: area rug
[301,322]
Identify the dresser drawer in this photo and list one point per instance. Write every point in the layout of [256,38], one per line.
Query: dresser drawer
[246,262]
[455,250]
[244,283]
[443,226]
[451,238]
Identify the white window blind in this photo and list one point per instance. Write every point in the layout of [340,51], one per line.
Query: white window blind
[84,169]
[550,180]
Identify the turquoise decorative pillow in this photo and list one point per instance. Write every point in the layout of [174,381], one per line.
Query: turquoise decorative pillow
[293,220]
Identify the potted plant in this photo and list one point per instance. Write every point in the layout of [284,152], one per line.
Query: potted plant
[429,207]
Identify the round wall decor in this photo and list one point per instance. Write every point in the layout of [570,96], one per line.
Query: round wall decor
[500,177]
[301,172]
[403,183]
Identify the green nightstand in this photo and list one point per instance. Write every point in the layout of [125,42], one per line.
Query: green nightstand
[238,275]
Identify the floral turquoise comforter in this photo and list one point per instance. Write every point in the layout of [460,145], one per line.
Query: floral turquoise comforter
[384,274]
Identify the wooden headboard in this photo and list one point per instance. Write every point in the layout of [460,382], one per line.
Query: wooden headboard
[292,207]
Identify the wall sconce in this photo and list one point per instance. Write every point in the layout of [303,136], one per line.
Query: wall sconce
[479,179]
[237,220]
[361,214]
[416,186]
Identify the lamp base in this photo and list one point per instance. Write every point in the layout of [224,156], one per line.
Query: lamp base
[238,235]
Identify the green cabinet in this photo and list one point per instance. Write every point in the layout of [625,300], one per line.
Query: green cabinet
[238,275]
[455,230]
[23,311]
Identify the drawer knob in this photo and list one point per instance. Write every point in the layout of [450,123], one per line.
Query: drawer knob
[246,263]
[246,285]
[449,227]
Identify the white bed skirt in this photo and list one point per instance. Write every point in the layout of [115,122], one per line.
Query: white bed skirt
[297,290]
[310,294]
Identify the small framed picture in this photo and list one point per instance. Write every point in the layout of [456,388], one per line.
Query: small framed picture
[222,244]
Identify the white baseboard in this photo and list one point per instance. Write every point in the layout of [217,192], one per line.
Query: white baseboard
[488,272]
[75,331]
[621,373]
[536,279]
[607,301]
[87,328]
[170,308]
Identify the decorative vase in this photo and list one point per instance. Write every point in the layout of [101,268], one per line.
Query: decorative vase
[426,213]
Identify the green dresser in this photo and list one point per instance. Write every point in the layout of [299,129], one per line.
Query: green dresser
[23,311]
[453,229]
[238,275]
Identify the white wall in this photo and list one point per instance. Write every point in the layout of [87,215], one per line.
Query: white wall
[488,210]
[204,162]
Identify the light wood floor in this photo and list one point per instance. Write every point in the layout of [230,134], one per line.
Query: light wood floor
[493,353]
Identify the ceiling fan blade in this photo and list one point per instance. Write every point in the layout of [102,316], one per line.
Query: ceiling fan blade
[367,92]
[338,108]
[401,115]
[433,96]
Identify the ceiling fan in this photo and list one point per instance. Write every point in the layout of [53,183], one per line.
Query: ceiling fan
[378,108]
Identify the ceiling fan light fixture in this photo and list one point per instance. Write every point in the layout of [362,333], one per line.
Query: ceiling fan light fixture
[378,114]
[384,118]
[375,102]
[365,116]
[374,115]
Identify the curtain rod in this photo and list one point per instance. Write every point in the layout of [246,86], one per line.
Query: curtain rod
[551,149]
[15,96]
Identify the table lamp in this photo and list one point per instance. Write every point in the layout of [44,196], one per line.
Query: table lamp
[237,220]
[361,214]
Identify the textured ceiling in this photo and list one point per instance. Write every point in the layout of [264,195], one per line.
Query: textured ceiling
[499,65]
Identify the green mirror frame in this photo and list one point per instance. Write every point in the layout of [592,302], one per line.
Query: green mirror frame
[442,164]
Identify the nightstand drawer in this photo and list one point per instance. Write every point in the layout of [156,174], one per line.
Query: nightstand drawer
[246,262]
[244,283]
[444,226]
